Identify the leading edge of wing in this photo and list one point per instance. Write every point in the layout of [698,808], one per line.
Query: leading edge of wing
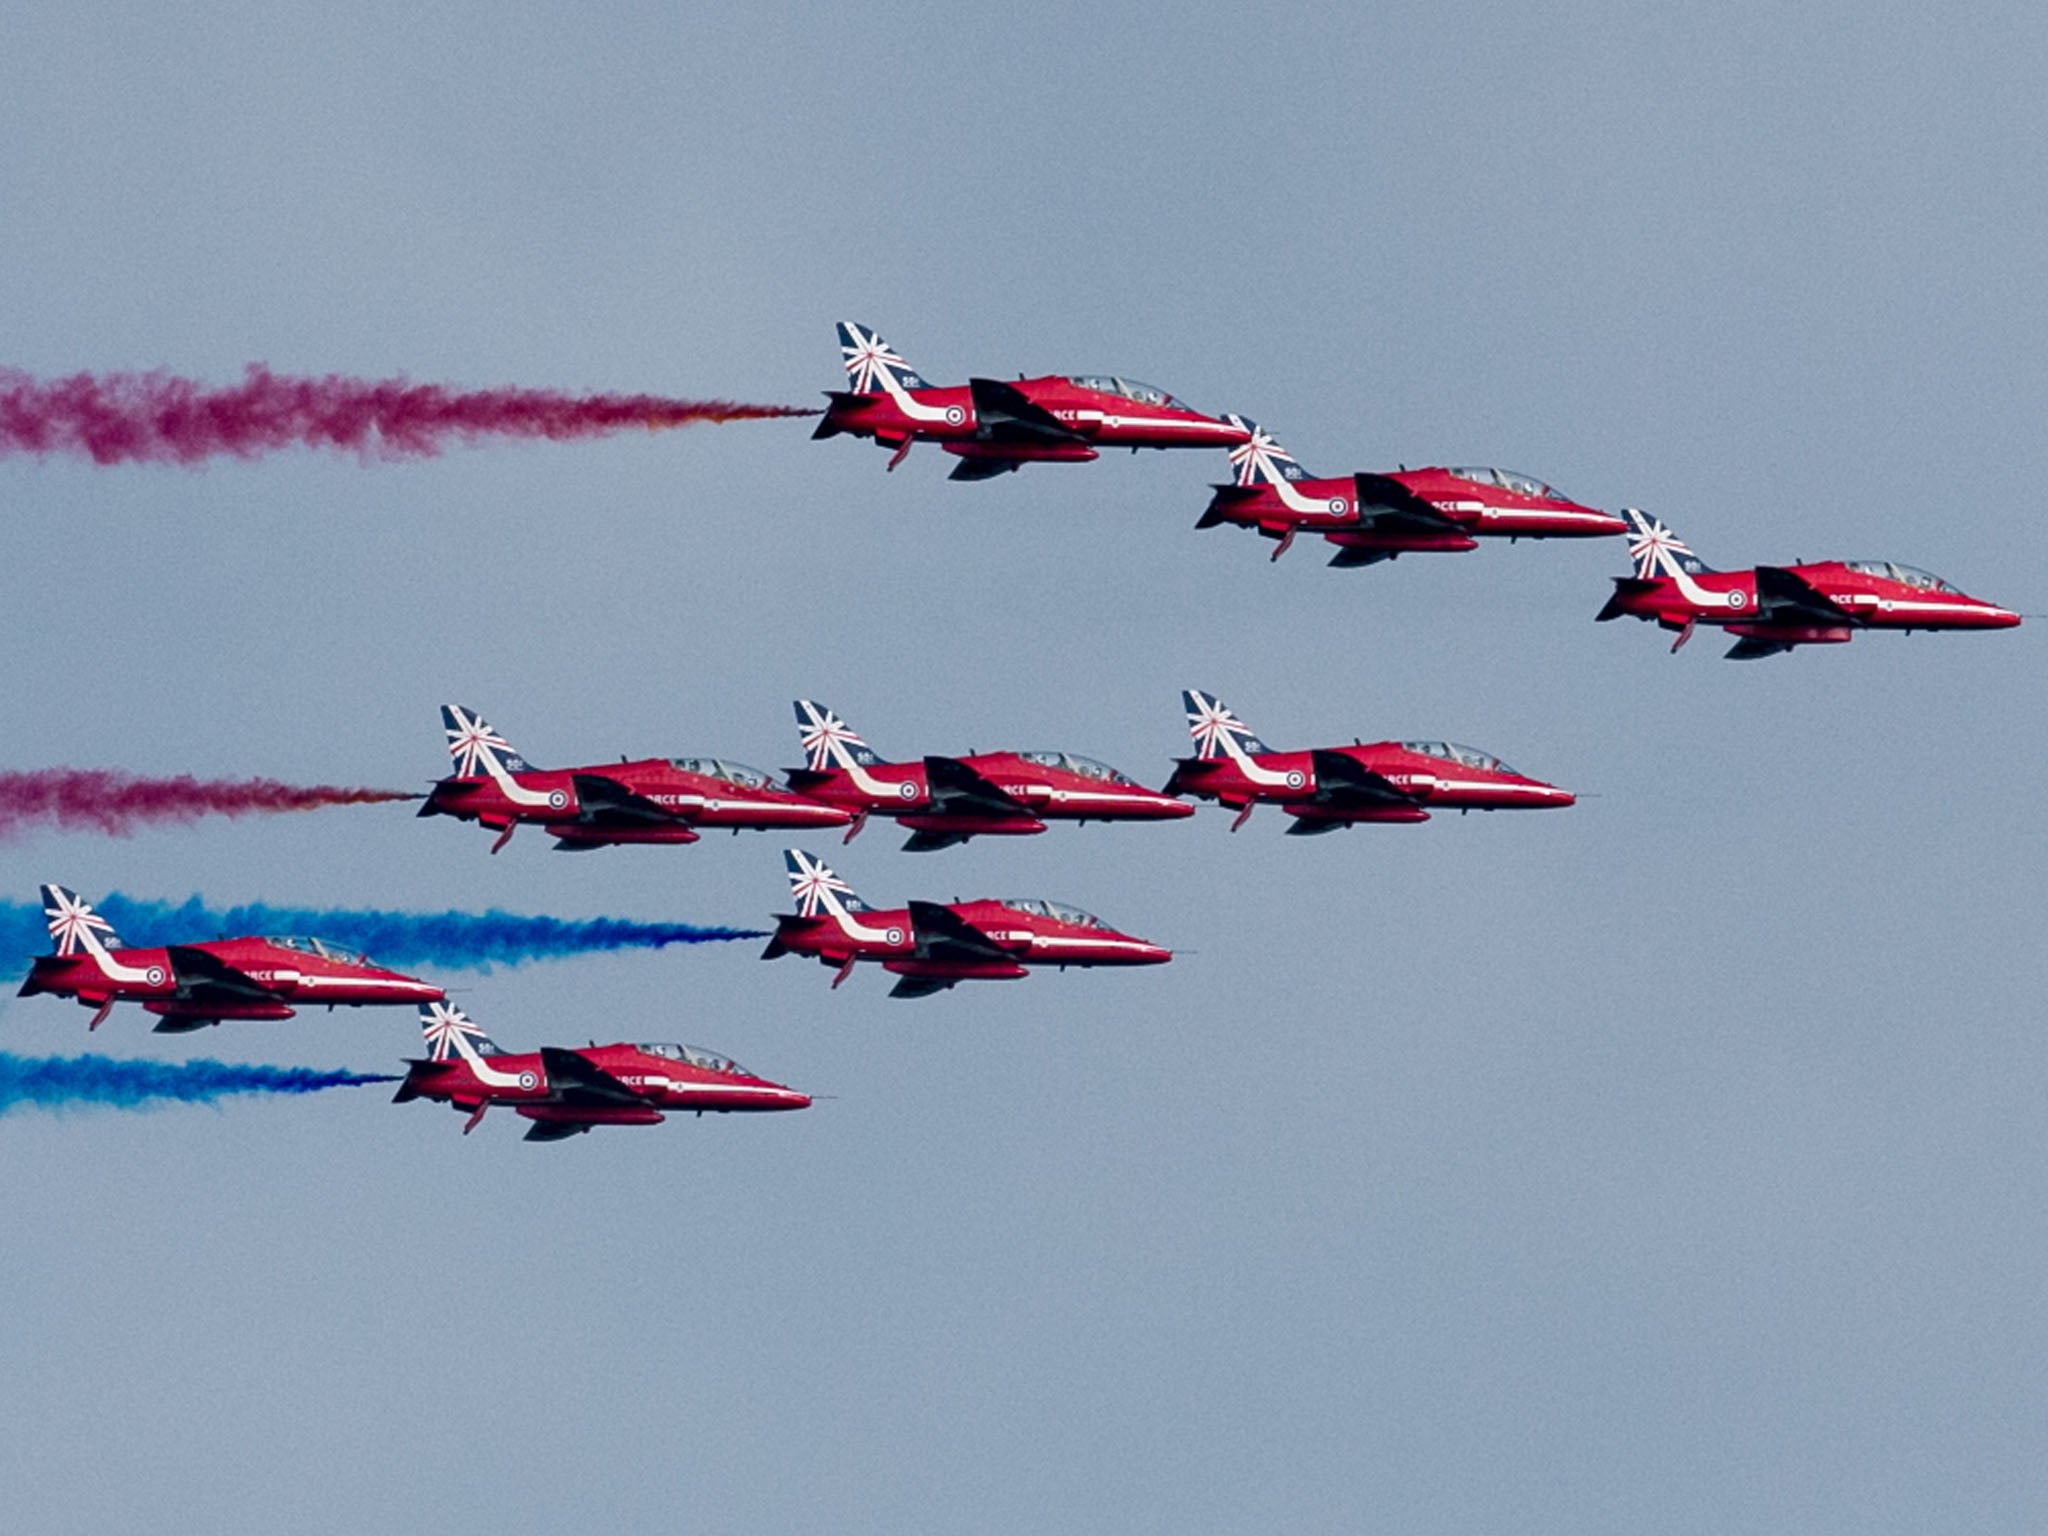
[576,1079]
[940,933]
[1001,412]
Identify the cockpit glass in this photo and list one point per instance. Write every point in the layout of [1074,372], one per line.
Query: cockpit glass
[719,768]
[693,1055]
[319,948]
[1087,767]
[1059,912]
[1508,480]
[1130,389]
[1451,752]
[1926,581]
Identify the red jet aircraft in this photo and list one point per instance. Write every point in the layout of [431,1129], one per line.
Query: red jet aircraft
[565,1093]
[1342,786]
[1775,607]
[947,800]
[933,947]
[1378,517]
[653,800]
[188,986]
[992,427]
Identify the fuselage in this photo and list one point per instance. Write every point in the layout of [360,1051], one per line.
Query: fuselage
[1476,503]
[668,1078]
[1102,410]
[1432,775]
[1028,932]
[1051,786]
[1871,594]
[696,792]
[281,972]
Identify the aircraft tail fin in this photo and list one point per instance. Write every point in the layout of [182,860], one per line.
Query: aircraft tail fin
[1656,550]
[829,742]
[476,748]
[1216,731]
[872,365]
[1259,460]
[73,924]
[449,1031]
[815,889]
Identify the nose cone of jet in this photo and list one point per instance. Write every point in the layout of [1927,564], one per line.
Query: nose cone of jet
[413,990]
[1142,952]
[2000,618]
[1600,524]
[1547,796]
[789,1098]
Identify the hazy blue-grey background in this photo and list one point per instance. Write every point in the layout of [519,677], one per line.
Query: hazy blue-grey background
[1673,1163]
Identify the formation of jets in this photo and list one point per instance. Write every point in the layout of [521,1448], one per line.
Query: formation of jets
[990,427]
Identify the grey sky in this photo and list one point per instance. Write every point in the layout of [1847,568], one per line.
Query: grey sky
[1673,1163]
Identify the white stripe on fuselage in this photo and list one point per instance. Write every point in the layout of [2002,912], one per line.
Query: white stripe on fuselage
[1271,778]
[905,403]
[111,968]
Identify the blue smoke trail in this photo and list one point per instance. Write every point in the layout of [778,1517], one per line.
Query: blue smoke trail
[471,940]
[58,1082]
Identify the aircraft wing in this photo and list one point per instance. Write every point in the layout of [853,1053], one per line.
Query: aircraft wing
[1385,503]
[203,978]
[576,1080]
[1344,782]
[608,802]
[1782,596]
[1006,415]
[957,790]
[941,934]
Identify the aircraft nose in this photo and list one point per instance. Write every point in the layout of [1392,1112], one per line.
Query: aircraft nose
[791,1099]
[1550,794]
[1143,953]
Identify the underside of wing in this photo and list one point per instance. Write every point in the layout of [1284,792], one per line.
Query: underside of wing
[957,790]
[607,802]
[932,842]
[981,467]
[1388,506]
[1344,783]
[1006,415]
[204,978]
[1782,597]
[575,1079]
[1749,648]
[940,933]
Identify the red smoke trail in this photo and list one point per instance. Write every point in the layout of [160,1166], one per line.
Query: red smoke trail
[108,800]
[152,418]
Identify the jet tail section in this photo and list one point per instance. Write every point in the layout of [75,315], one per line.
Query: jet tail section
[1216,731]
[816,889]
[476,748]
[873,366]
[1259,460]
[829,742]
[1657,551]
[449,1033]
[73,924]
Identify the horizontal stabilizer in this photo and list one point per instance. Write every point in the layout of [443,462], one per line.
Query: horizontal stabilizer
[1625,587]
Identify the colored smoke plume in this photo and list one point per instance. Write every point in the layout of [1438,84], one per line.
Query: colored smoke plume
[466,940]
[154,418]
[63,1082]
[109,800]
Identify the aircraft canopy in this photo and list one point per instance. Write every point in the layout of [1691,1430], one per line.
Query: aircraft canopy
[319,948]
[695,1056]
[1889,570]
[720,768]
[1130,389]
[1508,480]
[1059,912]
[1087,767]
[1451,752]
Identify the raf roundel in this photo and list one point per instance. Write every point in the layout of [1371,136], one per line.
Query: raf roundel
[156,975]
[895,935]
[557,799]
[907,790]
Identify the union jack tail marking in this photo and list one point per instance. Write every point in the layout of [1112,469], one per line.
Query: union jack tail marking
[73,924]
[476,748]
[815,888]
[1657,551]
[1259,460]
[447,1029]
[1211,724]
[870,363]
[829,740]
